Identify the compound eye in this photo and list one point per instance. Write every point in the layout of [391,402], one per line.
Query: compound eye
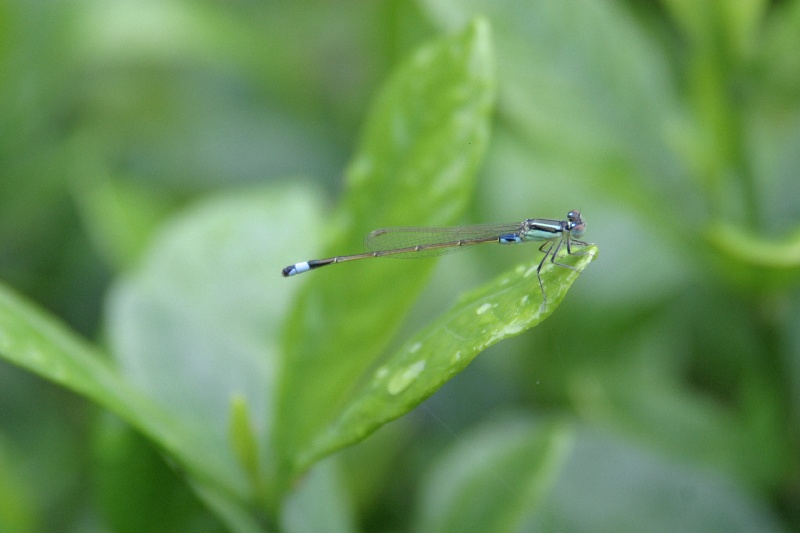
[574,216]
[577,230]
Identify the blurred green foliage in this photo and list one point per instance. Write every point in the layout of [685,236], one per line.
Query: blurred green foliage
[160,161]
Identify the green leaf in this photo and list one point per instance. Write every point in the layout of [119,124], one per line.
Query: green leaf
[507,306]
[195,327]
[733,27]
[755,250]
[17,507]
[607,484]
[423,141]
[37,342]
[244,442]
[520,474]
[155,498]
[641,391]
[778,57]
[592,97]
[321,503]
[494,478]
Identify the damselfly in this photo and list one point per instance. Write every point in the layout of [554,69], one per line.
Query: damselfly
[427,242]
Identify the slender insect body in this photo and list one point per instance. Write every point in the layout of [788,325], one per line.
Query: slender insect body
[426,242]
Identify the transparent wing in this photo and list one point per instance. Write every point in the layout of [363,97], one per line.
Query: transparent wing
[387,239]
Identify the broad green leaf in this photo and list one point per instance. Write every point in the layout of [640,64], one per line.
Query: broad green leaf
[592,97]
[507,306]
[155,498]
[641,390]
[494,478]
[321,503]
[37,342]
[524,475]
[423,141]
[589,98]
[606,484]
[195,327]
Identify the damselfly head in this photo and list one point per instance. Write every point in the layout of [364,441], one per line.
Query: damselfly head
[576,225]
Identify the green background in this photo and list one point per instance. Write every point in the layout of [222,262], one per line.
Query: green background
[161,161]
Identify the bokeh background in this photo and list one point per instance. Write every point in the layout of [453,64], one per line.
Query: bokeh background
[673,126]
